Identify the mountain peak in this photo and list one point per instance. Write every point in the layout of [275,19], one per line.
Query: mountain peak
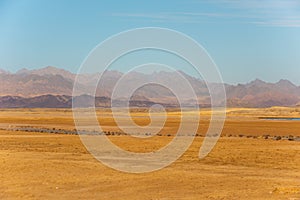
[256,82]
[2,71]
[50,67]
[50,70]
[23,71]
[285,83]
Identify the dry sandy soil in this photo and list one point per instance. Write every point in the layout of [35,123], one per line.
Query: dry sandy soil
[57,166]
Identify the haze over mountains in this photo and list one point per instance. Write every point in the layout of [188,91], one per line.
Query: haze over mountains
[52,87]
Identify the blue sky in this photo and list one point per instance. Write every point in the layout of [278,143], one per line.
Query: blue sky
[246,39]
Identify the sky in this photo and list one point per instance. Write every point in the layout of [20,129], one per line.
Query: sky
[246,39]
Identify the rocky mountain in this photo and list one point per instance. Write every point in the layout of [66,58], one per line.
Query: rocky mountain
[261,94]
[28,85]
[53,87]
[48,71]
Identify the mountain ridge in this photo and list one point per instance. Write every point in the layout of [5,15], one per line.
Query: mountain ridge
[38,83]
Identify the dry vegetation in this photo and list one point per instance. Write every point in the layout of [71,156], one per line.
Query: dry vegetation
[57,166]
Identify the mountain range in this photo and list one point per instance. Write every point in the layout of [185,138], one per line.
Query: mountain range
[52,87]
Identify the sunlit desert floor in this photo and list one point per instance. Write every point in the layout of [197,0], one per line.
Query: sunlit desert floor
[243,164]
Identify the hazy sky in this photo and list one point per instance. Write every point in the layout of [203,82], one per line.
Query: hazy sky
[247,39]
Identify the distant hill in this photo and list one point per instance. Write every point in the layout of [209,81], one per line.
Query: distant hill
[261,94]
[63,101]
[48,71]
[52,87]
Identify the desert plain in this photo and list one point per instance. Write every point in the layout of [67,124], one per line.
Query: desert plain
[250,160]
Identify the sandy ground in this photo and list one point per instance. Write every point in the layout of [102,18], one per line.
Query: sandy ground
[56,166]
